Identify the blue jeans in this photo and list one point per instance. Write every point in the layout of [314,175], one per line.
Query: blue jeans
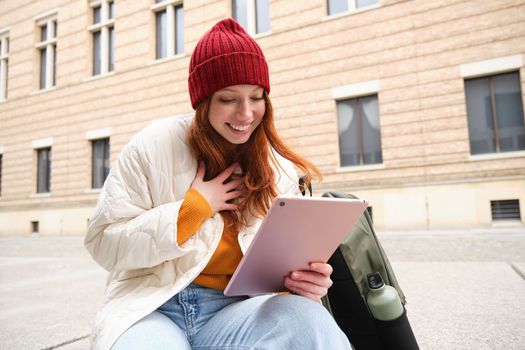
[203,318]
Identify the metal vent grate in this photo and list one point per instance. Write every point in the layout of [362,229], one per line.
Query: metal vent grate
[508,209]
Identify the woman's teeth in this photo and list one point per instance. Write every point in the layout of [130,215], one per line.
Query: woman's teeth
[239,127]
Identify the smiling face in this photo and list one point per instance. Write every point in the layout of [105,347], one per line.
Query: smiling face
[236,111]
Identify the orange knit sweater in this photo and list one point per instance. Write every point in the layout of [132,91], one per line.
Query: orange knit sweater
[194,210]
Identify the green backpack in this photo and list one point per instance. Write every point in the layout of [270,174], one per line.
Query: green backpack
[359,254]
[363,253]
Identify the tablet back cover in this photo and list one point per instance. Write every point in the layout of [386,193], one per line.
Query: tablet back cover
[296,231]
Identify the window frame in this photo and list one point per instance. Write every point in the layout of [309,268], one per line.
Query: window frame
[360,131]
[103,171]
[92,136]
[174,43]
[47,48]
[4,63]
[477,69]
[346,92]
[494,112]
[106,28]
[47,170]
[352,8]
[252,18]
[37,145]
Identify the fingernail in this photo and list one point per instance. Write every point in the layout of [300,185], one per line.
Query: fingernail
[295,275]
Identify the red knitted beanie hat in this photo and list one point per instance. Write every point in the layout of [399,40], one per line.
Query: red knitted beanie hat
[226,55]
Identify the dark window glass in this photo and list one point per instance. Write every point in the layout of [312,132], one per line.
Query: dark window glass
[97,14]
[337,6]
[370,130]
[96,53]
[162,50]
[34,226]
[509,112]
[480,117]
[6,78]
[54,64]
[43,37]
[348,132]
[262,15]
[47,35]
[111,49]
[100,162]
[43,58]
[43,33]
[495,114]
[240,12]
[359,131]
[179,29]
[111,10]
[43,170]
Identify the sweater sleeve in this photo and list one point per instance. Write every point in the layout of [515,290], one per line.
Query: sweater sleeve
[194,210]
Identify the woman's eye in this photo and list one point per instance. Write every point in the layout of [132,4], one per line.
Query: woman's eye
[226,100]
[256,98]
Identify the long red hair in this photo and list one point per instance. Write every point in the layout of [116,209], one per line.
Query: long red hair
[255,158]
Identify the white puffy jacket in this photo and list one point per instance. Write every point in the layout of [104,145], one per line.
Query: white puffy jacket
[133,231]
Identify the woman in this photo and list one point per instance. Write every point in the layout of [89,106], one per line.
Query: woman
[182,204]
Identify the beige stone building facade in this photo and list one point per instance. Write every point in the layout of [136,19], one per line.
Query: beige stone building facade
[414,105]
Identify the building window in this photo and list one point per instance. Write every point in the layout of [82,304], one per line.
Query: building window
[253,15]
[103,33]
[4,53]
[47,48]
[359,132]
[341,6]
[99,162]
[43,170]
[35,227]
[495,113]
[169,24]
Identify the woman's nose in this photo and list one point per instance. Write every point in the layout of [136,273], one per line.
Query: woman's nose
[245,110]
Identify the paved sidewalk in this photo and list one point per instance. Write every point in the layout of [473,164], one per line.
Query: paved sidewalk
[465,289]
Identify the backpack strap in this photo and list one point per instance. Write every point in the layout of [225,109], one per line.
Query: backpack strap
[302,181]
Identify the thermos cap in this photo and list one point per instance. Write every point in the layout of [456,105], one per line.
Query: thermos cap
[374,280]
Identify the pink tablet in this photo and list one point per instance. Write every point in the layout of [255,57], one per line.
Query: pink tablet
[296,231]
